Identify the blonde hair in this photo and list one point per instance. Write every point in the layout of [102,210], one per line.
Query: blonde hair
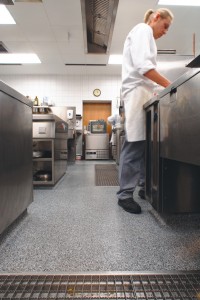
[164,13]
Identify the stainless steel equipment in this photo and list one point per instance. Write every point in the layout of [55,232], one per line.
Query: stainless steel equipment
[97,146]
[79,137]
[68,115]
[43,164]
[153,188]
[97,126]
[173,159]
[120,137]
[60,148]
[43,126]
[16,187]
[50,141]
[120,132]
[179,110]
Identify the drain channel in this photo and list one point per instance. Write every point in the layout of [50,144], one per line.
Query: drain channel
[153,286]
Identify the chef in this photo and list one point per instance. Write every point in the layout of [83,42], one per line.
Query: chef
[139,81]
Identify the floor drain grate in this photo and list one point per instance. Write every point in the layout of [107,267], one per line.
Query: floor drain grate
[144,286]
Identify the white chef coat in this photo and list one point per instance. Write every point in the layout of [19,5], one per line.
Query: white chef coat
[139,56]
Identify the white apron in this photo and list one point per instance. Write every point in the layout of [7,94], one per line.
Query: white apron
[135,114]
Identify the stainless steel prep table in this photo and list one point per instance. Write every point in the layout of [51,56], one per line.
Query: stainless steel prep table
[173,146]
[16,187]
[50,134]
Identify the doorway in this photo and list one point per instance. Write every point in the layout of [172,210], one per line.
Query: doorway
[96,110]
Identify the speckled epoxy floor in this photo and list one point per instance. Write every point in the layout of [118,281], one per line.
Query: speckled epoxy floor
[77,227]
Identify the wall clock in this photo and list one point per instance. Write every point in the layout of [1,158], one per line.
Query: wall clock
[97,92]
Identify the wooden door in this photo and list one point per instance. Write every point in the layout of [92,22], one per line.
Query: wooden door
[96,111]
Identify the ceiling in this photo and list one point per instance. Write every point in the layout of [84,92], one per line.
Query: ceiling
[54,31]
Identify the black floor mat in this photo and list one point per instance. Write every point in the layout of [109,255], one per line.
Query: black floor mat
[106,175]
[166,286]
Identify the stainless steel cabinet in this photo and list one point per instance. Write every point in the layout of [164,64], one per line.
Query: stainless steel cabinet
[49,161]
[16,186]
[49,149]
[97,146]
[173,147]
[180,126]
[180,147]
[152,154]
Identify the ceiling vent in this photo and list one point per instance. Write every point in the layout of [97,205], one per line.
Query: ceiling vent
[166,51]
[87,65]
[11,2]
[7,2]
[39,1]
[98,24]
[3,48]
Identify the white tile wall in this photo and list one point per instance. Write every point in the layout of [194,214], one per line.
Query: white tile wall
[67,90]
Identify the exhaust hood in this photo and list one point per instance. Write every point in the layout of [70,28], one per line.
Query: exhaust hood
[7,2]
[11,2]
[98,22]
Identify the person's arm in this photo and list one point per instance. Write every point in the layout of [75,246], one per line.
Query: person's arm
[157,78]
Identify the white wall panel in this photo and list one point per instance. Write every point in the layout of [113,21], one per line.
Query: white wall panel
[67,90]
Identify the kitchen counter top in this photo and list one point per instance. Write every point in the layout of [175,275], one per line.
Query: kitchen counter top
[152,101]
[180,80]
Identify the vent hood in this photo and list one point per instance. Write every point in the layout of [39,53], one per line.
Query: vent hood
[11,2]
[3,48]
[7,2]
[98,22]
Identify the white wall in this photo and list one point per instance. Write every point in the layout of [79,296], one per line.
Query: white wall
[65,90]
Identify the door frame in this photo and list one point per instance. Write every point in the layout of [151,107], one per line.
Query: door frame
[99,102]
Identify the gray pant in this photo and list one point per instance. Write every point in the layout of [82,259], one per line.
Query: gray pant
[131,168]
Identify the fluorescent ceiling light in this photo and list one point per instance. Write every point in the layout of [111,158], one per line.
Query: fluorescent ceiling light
[5,16]
[115,59]
[179,2]
[22,58]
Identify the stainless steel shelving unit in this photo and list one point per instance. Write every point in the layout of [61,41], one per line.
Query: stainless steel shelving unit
[44,163]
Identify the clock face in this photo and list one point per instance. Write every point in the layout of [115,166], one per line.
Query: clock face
[97,92]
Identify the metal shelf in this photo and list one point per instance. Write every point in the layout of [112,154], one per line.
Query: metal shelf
[44,163]
[42,159]
[40,182]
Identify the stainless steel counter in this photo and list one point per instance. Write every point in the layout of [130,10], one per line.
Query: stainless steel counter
[180,126]
[16,188]
[173,147]
[179,81]
[50,135]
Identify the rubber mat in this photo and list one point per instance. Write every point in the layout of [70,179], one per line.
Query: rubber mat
[171,286]
[106,175]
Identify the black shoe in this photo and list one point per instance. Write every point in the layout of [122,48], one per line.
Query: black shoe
[141,194]
[130,205]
